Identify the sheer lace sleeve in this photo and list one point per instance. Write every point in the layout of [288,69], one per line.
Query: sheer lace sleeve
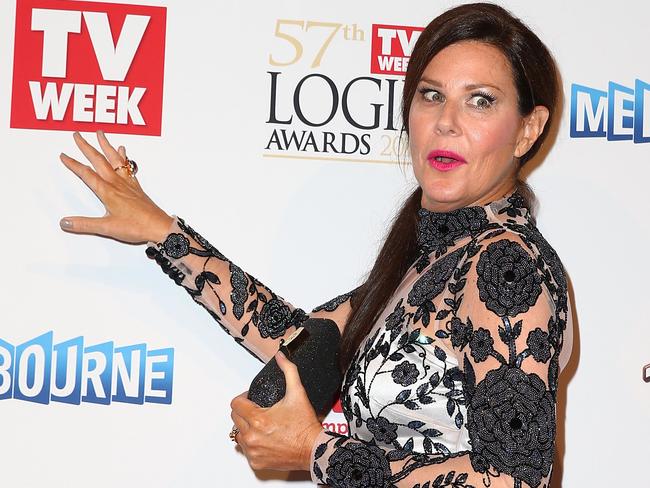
[505,321]
[255,316]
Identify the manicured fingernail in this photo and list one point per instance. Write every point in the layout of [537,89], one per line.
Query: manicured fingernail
[100,132]
[280,353]
[65,224]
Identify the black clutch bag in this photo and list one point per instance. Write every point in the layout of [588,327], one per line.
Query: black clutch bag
[314,349]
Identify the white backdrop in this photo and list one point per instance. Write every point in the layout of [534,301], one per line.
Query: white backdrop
[307,224]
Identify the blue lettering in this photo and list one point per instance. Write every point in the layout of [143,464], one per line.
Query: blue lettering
[70,372]
[160,371]
[6,370]
[33,368]
[617,114]
[587,112]
[97,374]
[66,381]
[642,111]
[128,365]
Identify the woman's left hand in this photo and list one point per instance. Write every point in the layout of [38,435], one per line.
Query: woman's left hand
[279,437]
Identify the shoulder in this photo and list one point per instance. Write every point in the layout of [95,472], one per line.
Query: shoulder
[333,304]
[523,235]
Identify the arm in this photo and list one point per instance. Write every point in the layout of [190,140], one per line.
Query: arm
[505,320]
[245,308]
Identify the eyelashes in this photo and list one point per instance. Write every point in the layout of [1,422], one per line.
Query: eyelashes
[488,96]
[428,95]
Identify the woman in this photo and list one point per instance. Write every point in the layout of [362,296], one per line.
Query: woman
[453,345]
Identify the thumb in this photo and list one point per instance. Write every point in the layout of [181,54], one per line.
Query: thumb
[291,375]
[84,225]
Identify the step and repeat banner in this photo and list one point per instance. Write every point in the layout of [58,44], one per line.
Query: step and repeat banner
[273,129]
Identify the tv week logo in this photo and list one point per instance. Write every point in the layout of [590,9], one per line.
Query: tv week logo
[87,66]
[392,46]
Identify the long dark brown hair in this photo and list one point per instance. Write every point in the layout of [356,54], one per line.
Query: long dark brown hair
[534,73]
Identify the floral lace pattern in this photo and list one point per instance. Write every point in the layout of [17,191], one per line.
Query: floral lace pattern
[237,301]
[456,383]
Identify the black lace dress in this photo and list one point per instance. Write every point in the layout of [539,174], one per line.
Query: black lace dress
[456,383]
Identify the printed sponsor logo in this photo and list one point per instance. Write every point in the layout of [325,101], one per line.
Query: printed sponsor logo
[338,427]
[87,66]
[646,373]
[333,423]
[391,48]
[618,114]
[71,372]
[319,108]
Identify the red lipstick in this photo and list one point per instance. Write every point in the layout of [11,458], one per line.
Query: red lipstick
[445,160]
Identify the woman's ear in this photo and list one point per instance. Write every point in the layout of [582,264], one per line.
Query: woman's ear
[532,128]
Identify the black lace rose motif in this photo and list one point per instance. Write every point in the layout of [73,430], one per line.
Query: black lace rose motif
[176,245]
[481,344]
[275,318]
[512,415]
[539,345]
[549,256]
[508,280]
[405,373]
[439,230]
[382,429]
[358,465]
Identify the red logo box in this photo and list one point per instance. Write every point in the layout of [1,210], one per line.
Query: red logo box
[391,48]
[87,66]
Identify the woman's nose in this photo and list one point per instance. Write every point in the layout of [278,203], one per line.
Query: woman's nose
[447,122]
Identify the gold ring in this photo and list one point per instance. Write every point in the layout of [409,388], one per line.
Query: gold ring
[233,434]
[131,167]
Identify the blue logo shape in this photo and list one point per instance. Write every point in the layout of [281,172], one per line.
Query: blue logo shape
[618,114]
[33,369]
[70,372]
[67,363]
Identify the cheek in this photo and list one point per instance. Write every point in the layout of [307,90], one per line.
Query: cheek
[414,132]
[493,139]
[421,128]
[419,140]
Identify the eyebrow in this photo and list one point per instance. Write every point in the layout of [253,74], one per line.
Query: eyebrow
[471,86]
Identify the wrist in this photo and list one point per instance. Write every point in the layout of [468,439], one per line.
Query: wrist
[160,228]
[310,439]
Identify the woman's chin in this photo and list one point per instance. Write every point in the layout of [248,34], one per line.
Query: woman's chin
[443,195]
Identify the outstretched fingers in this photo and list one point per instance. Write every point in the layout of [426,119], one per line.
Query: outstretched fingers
[96,158]
[86,174]
[114,157]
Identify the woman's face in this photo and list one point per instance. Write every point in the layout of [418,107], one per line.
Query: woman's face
[465,128]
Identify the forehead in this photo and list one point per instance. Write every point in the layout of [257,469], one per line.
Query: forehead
[470,62]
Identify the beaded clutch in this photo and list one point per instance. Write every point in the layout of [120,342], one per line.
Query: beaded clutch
[314,349]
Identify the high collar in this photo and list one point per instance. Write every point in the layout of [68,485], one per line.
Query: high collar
[438,230]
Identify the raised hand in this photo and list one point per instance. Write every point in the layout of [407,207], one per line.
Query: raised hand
[131,216]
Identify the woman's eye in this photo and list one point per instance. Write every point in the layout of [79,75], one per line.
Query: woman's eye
[482,101]
[431,95]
